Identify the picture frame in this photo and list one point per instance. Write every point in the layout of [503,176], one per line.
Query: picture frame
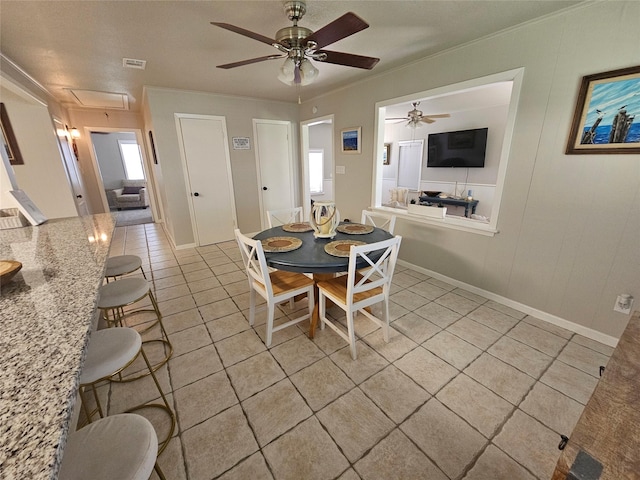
[386,154]
[603,120]
[13,152]
[351,140]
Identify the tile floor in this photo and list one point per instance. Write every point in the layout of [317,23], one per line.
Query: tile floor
[466,389]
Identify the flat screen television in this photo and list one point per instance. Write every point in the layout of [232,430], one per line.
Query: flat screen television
[463,149]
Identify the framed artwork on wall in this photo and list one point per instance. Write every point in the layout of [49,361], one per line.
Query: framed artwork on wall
[607,114]
[386,154]
[350,140]
[13,152]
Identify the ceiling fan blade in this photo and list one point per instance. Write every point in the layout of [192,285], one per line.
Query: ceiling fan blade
[440,115]
[346,25]
[427,120]
[396,118]
[349,59]
[250,61]
[246,33]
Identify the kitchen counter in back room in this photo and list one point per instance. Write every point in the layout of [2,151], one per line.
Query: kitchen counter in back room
[47,313]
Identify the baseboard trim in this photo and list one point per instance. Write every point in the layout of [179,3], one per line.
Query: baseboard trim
[534,312]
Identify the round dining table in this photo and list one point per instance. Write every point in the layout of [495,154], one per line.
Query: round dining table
[311,256]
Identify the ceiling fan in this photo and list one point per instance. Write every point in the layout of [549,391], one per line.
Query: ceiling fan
[415,117]
[299,45]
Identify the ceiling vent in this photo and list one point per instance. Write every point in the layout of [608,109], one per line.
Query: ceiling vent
[133,63]
[94,99]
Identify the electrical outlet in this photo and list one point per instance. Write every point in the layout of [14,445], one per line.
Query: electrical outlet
[623,303]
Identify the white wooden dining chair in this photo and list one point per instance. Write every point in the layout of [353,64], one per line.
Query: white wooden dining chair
[380,220]
[275,286]
[283,217]
[361,288]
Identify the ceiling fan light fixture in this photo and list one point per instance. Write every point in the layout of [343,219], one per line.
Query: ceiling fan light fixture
[307,72]
[287,71]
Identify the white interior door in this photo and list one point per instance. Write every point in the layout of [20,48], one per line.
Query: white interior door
[73,172]
[209,181]
[274,158]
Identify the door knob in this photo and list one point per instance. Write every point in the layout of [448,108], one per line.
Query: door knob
[196,194]
[265,188]
[78,196]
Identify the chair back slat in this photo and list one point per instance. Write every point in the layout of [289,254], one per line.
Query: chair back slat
[386,222]
[379,271]
[283,217]
[254,261]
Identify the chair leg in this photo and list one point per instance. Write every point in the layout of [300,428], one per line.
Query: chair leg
[385,320]
[352,335]
[271,309]
[311,305]
[252,305]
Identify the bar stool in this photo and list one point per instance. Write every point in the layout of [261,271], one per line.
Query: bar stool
[119,265]
[110,352]
[115,296]
[122,446]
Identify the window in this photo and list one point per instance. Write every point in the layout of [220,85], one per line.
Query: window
[316,171]
[131,159]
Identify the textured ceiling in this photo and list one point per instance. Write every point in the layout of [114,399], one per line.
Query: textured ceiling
[80,44]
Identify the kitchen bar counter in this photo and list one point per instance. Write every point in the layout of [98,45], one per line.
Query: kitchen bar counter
[47,313]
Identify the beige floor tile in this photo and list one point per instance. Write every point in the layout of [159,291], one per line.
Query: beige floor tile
[404,280]
[416,327]
[289,455]
[512,312]
[193,366]
[226,268]
[176,305]
[214,446]
[397,346]
[231,277]
[254,468]
[281,336]
[572,382]
[475,333]
[426,369]
[349,475]
[593,345]
[457,303]
[479,299]
[171,462]
[297,353]
[395,393]
[181,321]
[452,349]
[204,399]
[355,423]
[447,439]
[521,356]
[397,458]
[494,464]
[205,297]
[327,340]
[530,443]
[501,378]
[549,327]
[438,315]
[190,339]
[224,327]
[478,405]
[169,282]
[203,284]
[192,268]
[501,322]
[275,410]
[255,374]
[172,292]
[396,311]
[428,290]
[321,383]
[583,358]
[367,363]
[167,272]
[537,338]
[200,274]
[239,347]
[409,299]
[218,309]
[552,408]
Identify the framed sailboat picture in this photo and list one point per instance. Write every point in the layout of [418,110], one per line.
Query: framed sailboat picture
[607,114]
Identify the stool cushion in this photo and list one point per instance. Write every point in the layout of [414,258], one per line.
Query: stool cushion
[109,351]
[123,292]
[122,447]
[122,264]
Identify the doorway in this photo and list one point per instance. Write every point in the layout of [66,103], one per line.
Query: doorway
[70,162]
[317,152]
[119,161]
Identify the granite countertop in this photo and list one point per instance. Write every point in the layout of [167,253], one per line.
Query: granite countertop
[47,313]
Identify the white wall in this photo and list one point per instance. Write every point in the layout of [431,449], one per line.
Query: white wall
[109,157]
[160,105]
[561,249]
[42,177]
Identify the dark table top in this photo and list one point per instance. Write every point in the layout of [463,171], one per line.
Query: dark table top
[311,257]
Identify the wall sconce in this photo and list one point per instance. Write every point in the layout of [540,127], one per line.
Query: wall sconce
[73,134]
